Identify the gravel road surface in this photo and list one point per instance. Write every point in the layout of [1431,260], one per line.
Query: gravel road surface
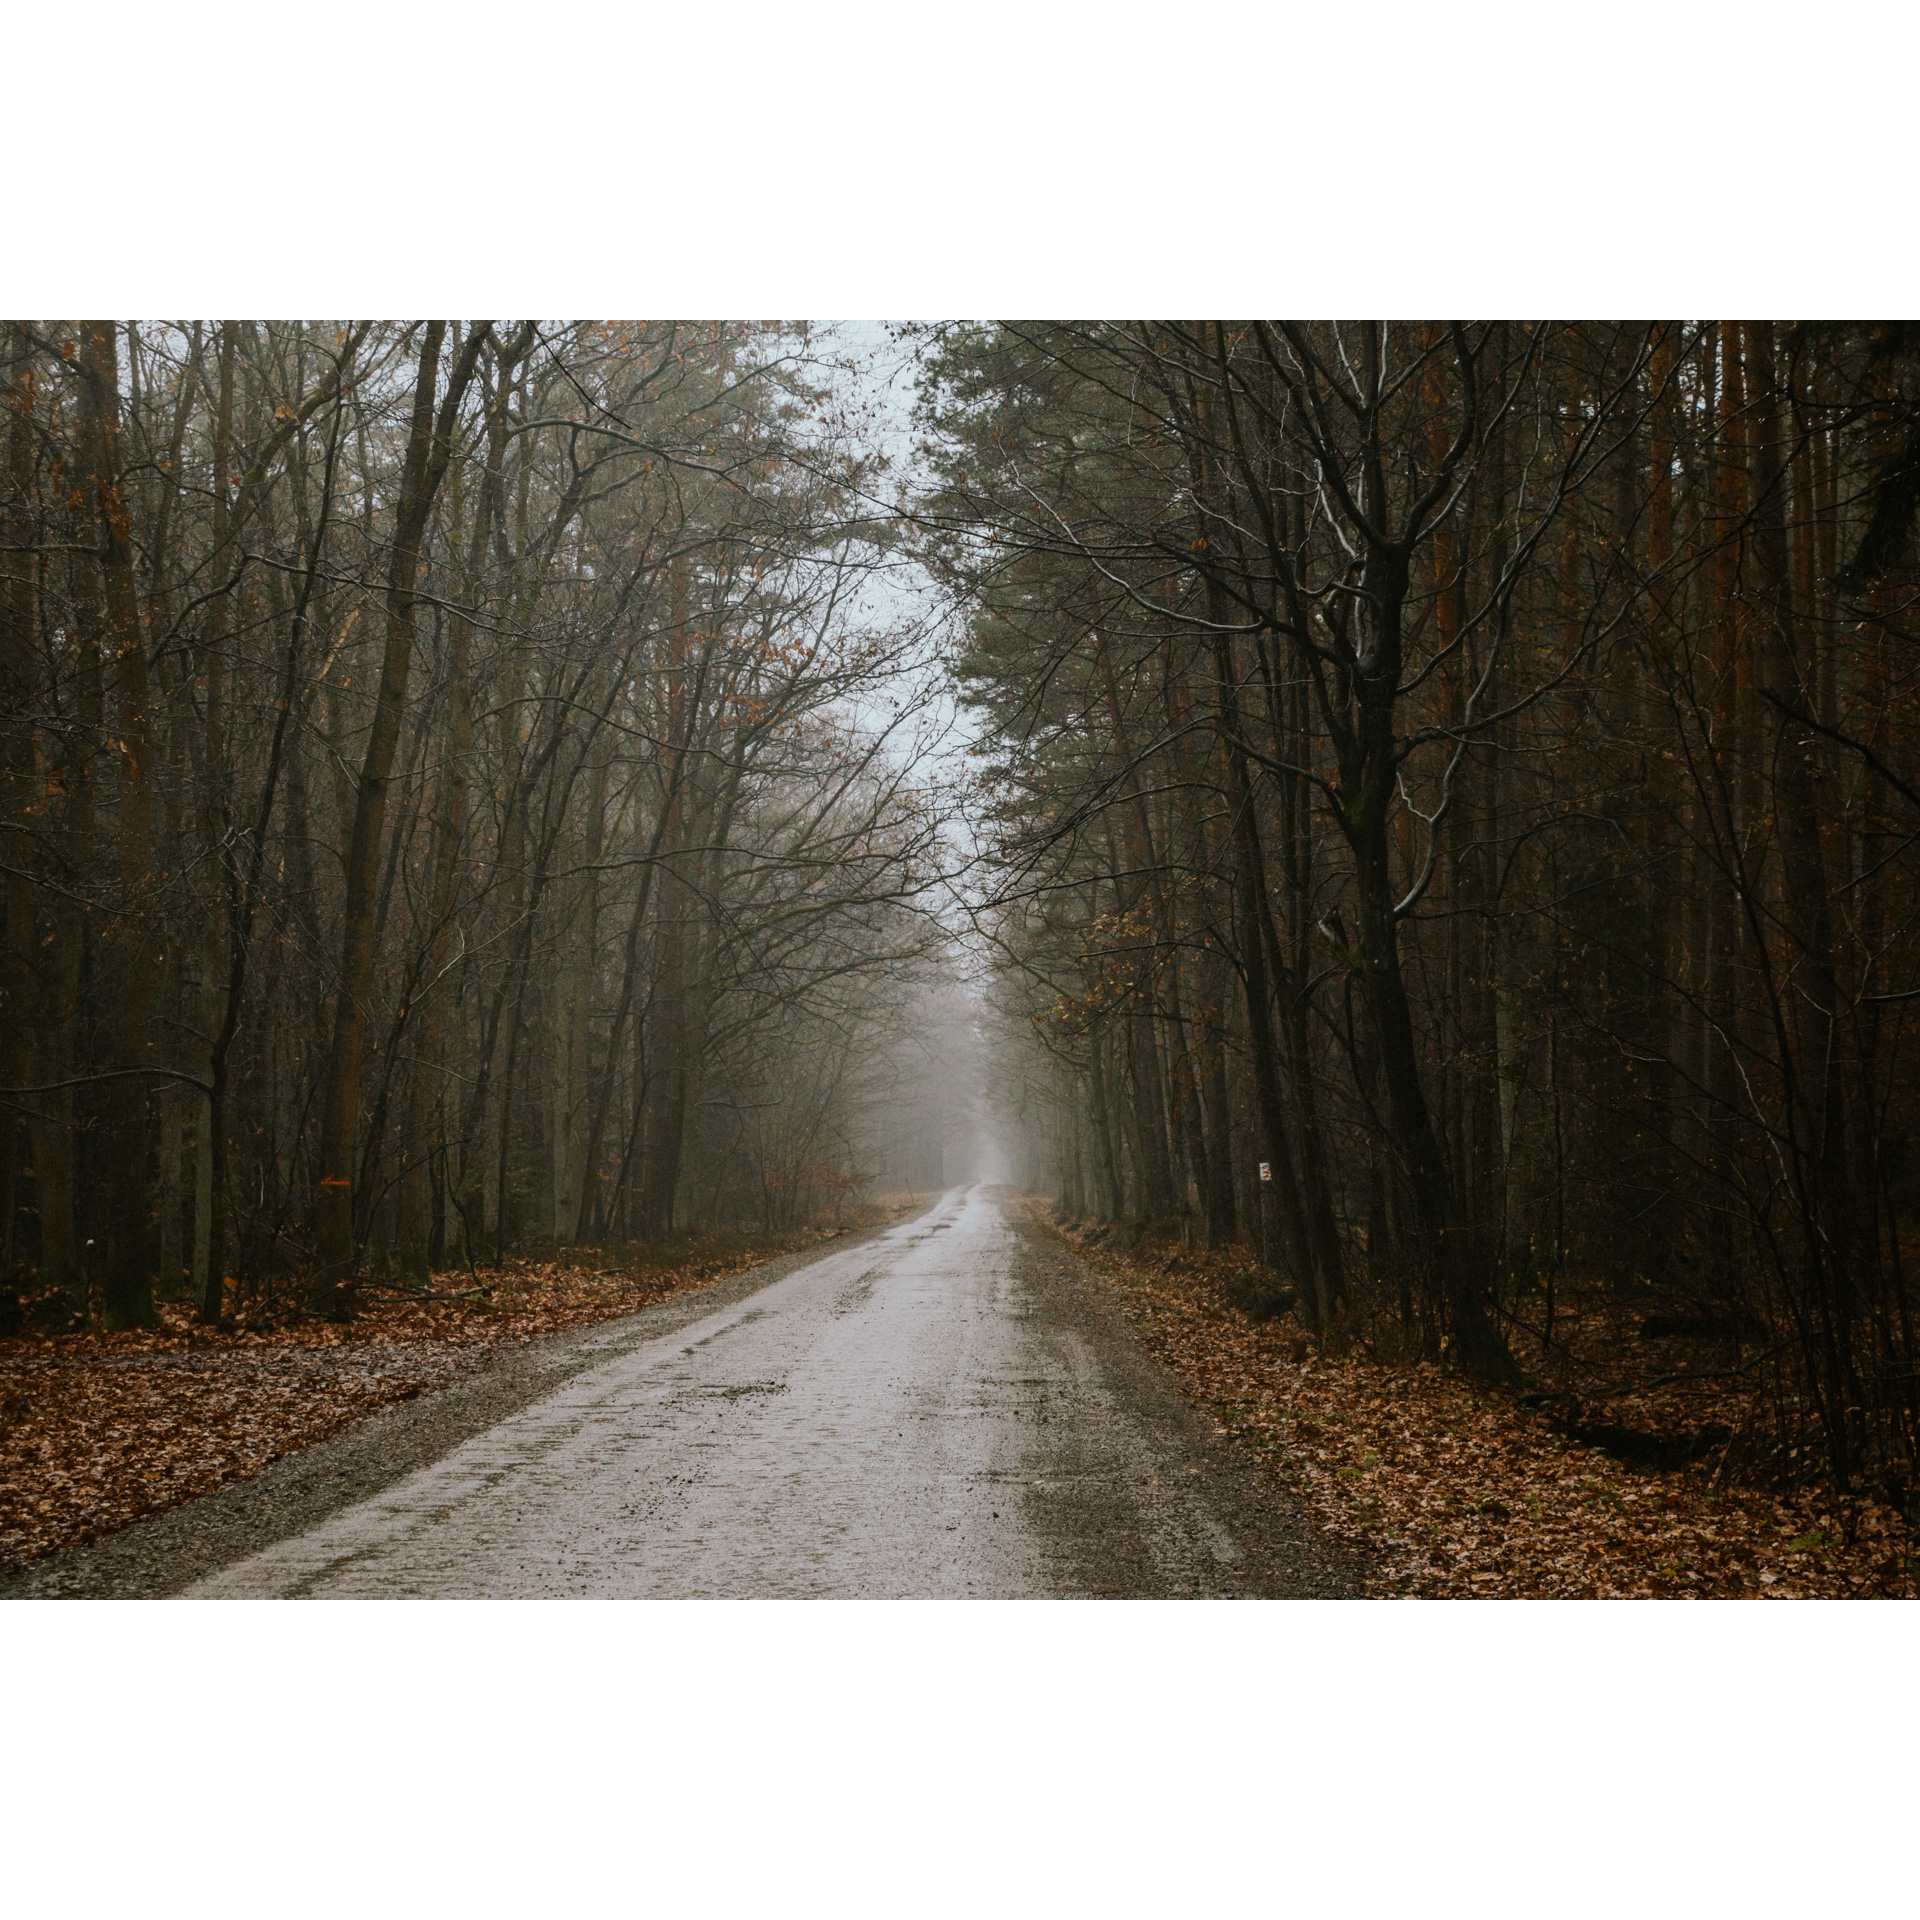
[948,1408]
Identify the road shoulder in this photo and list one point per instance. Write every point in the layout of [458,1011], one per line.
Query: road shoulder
[1133,1541]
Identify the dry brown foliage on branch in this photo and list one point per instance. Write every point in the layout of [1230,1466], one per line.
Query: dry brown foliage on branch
[99,1429]
[1457,1491]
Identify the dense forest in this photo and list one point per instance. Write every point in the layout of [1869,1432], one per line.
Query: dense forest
[1441,819]
[1450,798]
[457,790]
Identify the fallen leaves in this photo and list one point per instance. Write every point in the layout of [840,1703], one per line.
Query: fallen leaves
[99,1429]
[1455,1491]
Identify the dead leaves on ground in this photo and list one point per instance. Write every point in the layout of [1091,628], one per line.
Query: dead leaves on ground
[1454,1491]
[97,1430]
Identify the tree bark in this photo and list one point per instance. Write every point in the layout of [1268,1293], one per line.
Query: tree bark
[127,1273]
[429,450]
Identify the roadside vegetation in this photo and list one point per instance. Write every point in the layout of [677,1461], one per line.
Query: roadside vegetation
[1645,1472]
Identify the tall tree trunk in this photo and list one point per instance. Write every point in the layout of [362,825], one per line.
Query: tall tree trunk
[127,1275]
[1292,1240]
[1143,1050]
[429,451]
[1810,1040]
[450,813]
[1661,788]
[1369,766]
[21,998]
[1728,794]
[573,1176]
[1106,1165]
[1223,1222]
[216,957]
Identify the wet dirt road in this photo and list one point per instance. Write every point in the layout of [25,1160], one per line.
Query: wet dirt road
[949,1408]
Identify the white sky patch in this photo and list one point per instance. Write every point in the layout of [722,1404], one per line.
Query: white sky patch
[876,386]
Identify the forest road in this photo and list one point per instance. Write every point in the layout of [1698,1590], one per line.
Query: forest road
[951,1408]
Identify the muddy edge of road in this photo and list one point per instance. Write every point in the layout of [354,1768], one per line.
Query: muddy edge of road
[1280,1552]
[167,1552]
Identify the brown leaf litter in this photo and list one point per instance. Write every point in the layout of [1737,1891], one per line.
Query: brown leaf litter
[1457,1491]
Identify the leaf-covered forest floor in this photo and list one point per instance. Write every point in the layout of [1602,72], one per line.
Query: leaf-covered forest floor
[1455,1491]
[100,1429]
